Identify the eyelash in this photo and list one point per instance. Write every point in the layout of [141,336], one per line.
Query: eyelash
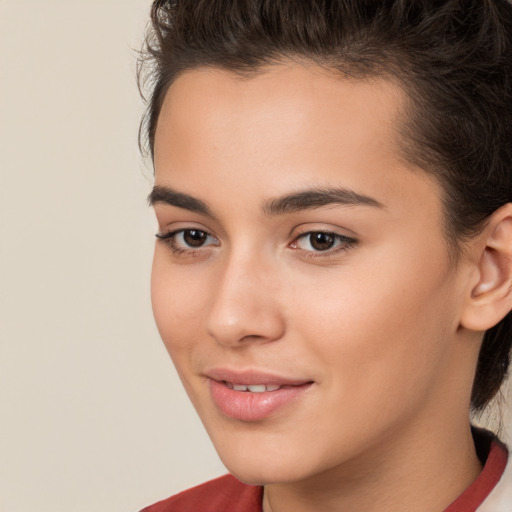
[169,239]
[344,243]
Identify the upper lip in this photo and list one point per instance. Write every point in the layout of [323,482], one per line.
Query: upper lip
[252,377]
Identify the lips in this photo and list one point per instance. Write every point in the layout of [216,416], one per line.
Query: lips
[253,396]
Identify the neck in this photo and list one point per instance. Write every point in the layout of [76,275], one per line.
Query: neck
[421,473]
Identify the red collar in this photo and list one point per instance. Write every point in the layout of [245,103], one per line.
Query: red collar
[493,455]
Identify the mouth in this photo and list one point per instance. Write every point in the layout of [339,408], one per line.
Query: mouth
[254,396]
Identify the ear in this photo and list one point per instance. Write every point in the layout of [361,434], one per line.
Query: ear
[490,293]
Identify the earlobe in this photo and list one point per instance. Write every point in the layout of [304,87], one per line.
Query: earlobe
[491,297]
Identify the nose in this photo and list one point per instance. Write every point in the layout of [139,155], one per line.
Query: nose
[245,306]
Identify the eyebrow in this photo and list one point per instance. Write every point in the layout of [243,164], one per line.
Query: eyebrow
[172,197]
[317,198]
[297,201]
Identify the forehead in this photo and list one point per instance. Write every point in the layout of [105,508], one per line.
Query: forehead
[286,98]
[290,126]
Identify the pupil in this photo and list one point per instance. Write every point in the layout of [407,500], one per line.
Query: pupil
[322,241]
[194,237]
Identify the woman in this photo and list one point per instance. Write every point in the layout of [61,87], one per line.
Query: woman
[333,271]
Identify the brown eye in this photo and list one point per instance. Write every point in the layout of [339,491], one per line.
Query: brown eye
[321,241]
[185,242]
[194,237]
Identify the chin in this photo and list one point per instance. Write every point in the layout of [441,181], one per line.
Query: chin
[275,473]
[267,461]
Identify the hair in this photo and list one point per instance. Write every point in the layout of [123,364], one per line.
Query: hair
[452,57]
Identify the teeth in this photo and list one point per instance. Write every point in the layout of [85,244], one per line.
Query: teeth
[253,388]
[257,388]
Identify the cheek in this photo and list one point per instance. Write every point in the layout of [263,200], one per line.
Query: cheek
[178,296]
[380,329]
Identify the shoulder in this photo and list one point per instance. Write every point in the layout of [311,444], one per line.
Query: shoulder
[219,495]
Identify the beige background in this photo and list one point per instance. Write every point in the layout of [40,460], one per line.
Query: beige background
[92,417]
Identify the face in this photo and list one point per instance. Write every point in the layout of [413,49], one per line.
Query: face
[301,281]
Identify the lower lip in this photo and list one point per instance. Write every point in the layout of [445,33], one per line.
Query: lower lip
[247,406]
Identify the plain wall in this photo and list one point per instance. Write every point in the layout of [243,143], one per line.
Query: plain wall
[92,416]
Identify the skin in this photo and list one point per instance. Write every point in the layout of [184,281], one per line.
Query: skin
[376,322]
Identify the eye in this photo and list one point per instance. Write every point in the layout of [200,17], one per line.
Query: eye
[322,241]
[185,240]
[192,237]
